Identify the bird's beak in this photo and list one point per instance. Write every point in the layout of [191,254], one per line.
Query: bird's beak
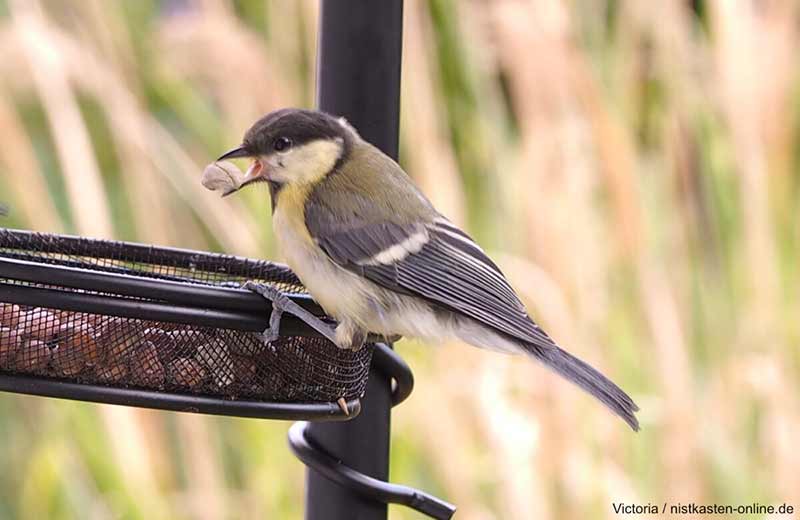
[236,153]
[254,173]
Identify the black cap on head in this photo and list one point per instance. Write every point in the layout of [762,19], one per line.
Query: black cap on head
[298,125]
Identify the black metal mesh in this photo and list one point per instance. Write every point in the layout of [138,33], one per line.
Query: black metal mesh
[100,349]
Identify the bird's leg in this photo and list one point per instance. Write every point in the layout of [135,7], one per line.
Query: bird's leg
[282,303]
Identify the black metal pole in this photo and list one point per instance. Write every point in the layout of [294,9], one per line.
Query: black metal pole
[359,60]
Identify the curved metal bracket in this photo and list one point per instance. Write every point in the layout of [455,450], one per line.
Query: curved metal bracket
[314,456]
[333,469]
[390,363]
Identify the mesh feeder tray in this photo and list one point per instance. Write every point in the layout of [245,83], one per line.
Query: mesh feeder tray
[140,325]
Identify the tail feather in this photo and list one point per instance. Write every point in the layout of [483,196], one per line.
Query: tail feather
[589,379]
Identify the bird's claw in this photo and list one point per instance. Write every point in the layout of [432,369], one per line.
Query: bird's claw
[273,332]
[342,402]
[282,303]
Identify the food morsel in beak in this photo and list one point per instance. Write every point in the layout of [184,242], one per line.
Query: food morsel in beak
[223,176]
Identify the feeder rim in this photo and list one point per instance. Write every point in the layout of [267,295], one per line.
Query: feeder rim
[139,252]
[177,402]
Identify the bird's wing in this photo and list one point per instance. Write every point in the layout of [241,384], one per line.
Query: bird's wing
[435,261]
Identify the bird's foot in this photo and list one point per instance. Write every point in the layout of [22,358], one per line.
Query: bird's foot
[282,303]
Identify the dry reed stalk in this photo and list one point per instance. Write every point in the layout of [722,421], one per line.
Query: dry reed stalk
[228,221]
[514,438]
[286,39]
[756,75]
[84,490]
[678,62]
[443,424]
[556,156]
[123,107]
[207,494]
[229,61]
[432,165]
[547,80]
[86,194]
[741,32]
[495,129]
[660,275]
[679,455]
[73,145]
[23,176]
[781,428]
[135,458]
[128,131]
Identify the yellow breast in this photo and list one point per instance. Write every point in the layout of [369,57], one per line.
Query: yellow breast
[338,291]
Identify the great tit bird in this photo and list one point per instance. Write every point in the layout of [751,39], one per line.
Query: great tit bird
[377,256]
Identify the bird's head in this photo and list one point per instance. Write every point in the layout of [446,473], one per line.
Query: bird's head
[293,146]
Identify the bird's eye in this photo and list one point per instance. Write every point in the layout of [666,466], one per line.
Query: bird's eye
[282,144]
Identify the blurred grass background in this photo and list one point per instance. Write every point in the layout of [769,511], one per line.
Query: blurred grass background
[631,165]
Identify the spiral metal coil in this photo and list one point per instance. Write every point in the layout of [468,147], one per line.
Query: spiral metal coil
[390,364]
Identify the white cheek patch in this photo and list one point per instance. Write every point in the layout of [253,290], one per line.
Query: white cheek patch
[409,246]
[274,161]
[307,163]
[275,167]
